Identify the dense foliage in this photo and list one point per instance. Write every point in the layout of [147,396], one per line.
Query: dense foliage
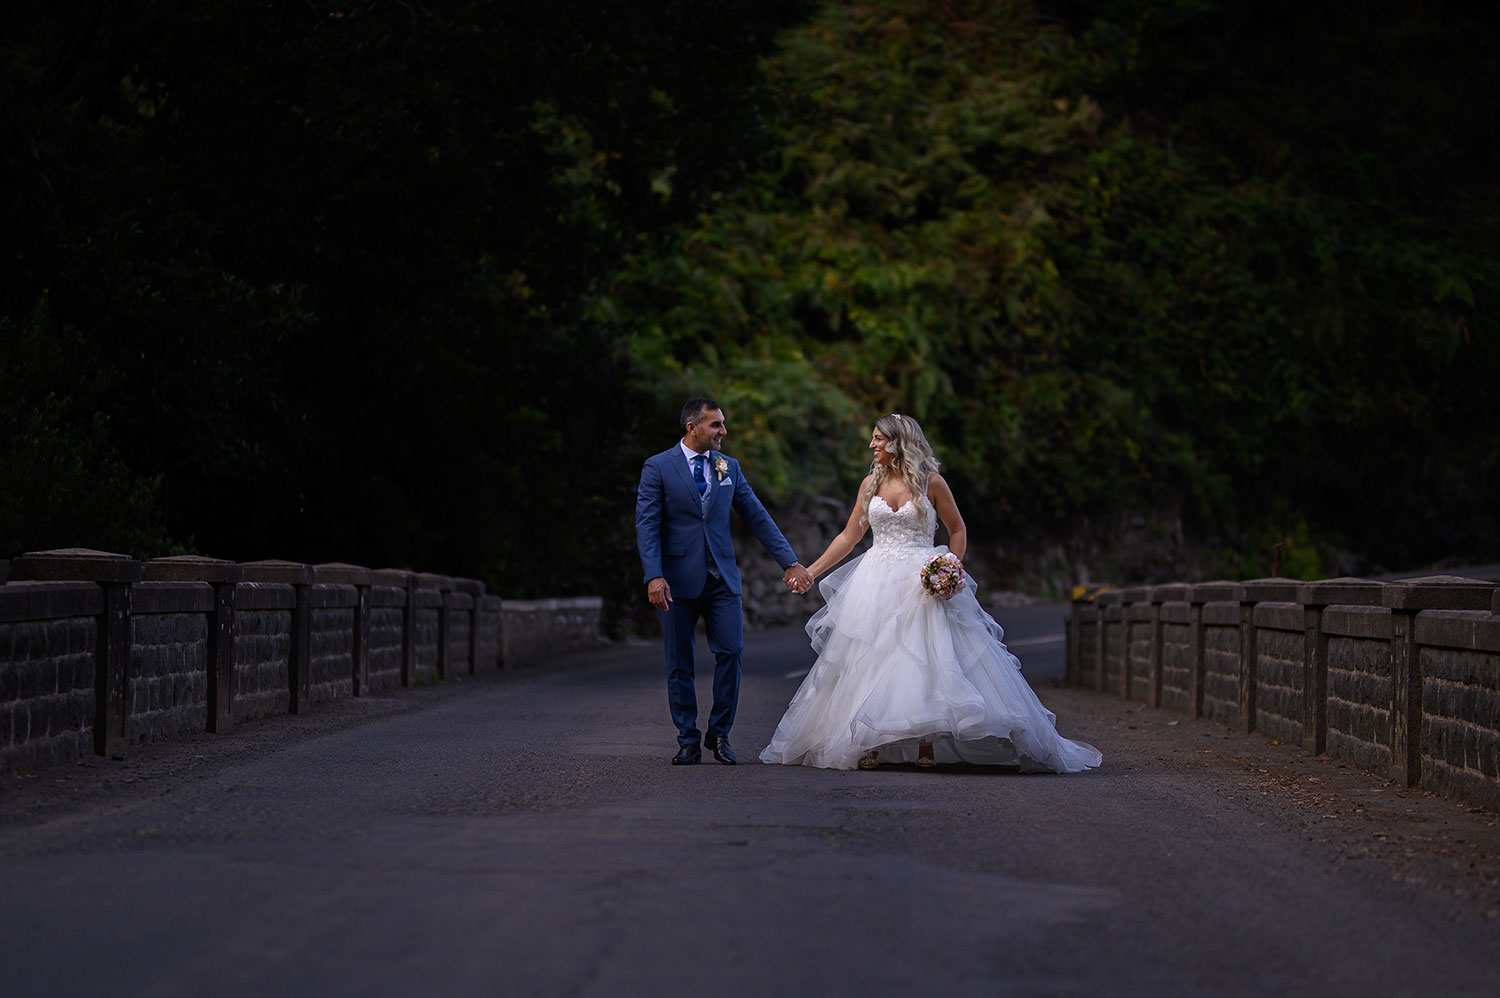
[1166,280]
[308,281]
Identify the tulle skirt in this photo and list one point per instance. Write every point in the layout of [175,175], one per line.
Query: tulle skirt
[897,668]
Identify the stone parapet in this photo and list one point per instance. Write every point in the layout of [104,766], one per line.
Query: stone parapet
[100,652]
[532,629]
[1401,678]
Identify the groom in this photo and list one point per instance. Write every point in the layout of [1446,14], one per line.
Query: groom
[682,532]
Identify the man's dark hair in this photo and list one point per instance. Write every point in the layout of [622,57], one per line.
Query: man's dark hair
[692,409]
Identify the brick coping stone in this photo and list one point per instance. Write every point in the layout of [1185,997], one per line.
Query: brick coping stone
[338,573]
[1340,592]
[275,570]
[1439,592]
[1272,590]
[1217,591]
[75,565]
[396,578]
[191,568]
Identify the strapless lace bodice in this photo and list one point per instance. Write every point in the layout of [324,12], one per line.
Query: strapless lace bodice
[899,532]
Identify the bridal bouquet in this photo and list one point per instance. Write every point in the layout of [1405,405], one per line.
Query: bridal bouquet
[943,575]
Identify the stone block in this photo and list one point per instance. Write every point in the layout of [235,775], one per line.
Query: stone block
[75,565]
[1340,592]
[27,601]
[264,596]
[1467,629]
[1221,614]
[1439,592]
[1271,590]
[1278,616]
[1218,591]
[171,597]
[325,597]
[289,573]
[10,676]
[191,568]
[1135,594]
[430,580]
[1171,592]
[472,587]
[1347,620]
[387,596]
[397,577]
[338,573]
[1176,612]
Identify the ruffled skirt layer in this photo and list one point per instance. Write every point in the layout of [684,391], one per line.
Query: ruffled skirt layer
[898,668]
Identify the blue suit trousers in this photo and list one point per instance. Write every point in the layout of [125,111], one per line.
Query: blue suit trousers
[723,619]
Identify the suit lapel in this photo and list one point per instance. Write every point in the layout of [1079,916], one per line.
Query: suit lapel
[716,485]
[674,458]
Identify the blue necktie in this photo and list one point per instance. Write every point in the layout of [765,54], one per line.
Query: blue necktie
[698,474]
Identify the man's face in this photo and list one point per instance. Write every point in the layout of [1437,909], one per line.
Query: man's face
[706,433]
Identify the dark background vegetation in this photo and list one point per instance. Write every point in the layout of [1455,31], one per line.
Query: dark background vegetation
[1168,281]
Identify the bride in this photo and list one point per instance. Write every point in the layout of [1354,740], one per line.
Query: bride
[904,676]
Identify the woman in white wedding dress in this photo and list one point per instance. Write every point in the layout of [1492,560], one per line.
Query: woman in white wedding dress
[904,676]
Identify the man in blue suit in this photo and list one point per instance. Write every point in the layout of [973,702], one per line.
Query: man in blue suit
[682,532]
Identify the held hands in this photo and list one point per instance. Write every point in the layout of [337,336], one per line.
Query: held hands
[797,579]
[659,593]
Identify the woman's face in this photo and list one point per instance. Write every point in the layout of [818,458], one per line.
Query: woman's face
[878,444]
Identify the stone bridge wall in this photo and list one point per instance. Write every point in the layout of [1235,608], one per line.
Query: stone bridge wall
[99,652]
[1401,679]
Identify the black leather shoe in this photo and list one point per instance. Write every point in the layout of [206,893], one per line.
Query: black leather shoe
[722,751]
[688,755]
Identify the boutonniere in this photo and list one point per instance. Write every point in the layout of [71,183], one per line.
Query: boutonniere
[722,467]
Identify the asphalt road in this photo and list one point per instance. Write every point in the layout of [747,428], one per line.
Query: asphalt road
[524,835]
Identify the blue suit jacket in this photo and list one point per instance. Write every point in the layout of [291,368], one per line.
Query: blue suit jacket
[676,533]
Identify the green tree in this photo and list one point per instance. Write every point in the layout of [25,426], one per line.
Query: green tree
[1138,269]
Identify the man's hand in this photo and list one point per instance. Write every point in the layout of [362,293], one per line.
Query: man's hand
[797,579]
[659,593]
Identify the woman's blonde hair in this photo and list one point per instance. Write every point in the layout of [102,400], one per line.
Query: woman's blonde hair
[914,461]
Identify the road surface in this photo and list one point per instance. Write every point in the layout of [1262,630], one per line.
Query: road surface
[523,834]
